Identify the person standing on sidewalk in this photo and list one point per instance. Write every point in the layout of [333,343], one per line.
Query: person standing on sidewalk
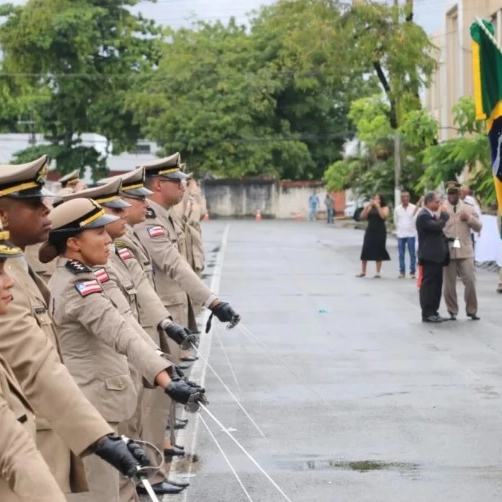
[313,205]
[433,255]
[329,202]
[463,219]
[404,220]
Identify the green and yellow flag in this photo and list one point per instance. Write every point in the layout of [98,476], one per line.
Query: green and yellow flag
[487,71]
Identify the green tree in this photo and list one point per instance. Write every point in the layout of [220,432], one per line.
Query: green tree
[371,169]
[470,151]
[238,102]
[76,61]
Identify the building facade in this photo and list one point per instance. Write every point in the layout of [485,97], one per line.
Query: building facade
[453,78]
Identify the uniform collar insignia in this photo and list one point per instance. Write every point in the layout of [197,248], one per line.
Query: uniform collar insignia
[77,267]
[150,213]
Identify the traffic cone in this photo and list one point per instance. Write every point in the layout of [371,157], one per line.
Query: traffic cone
[206,217]
[258,215]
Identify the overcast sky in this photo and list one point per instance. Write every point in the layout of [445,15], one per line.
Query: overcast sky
[429,13]
[176,13]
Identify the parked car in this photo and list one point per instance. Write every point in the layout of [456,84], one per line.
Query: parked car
[354,208]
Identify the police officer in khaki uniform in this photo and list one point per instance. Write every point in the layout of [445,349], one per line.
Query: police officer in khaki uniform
[24,474]
[29,344]
[137,259]
[94,336]
[463,219]
[70,183]
[174,278]
[129,288]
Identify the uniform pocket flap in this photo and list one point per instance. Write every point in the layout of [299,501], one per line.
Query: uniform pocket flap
[119,382]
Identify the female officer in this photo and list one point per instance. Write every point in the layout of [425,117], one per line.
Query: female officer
[24,474]
[97,343]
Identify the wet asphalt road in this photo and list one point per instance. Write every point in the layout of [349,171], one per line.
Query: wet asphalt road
[358,400]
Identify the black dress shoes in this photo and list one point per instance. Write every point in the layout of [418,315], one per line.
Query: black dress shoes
[189,358]
[474,317]
[453,317]
[181,484]
[172,452]
[163,488]
[432,318]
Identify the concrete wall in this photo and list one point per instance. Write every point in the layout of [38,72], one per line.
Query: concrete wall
[274,199]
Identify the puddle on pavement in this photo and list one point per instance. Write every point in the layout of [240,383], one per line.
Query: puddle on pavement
[356,465]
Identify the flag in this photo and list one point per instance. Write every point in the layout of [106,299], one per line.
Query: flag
[487,72]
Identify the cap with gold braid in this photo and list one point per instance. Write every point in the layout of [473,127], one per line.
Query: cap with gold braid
[188,175]
[133,183]
[168,167]
[70,178]
[106,195]
[7,249]
[79,214]
[25,180]
[452,187]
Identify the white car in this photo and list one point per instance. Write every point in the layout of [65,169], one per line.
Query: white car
[353,209]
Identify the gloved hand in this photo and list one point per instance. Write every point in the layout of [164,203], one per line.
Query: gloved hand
[179,375]
[126,458]
[191,339]
[225,313]
[180,391]
[176,333]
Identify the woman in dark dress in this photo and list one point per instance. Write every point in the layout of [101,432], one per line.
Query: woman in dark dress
[376,212]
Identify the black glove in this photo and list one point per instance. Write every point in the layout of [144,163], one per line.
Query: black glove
[191,339]
[225,313]
[176,332]
[180,391]
[179,375]
[126,458]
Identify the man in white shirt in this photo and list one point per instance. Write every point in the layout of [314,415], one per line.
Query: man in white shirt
[404,220]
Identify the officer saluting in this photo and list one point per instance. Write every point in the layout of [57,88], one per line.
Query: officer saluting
[29,344]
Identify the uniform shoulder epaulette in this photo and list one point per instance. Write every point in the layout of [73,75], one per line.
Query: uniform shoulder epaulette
[468,203]
[120,244]
[150,213]
[76,267]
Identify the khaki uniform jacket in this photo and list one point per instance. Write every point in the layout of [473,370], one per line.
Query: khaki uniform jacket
[44,270]
[195,213]
[174,278]
[456,228]
[151,309]
[29,344]
[24,475]
[98,344]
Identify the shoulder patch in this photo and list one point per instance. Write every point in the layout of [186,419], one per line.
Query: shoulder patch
[155,231]
[125,254]
[150,213]
[77,267]
[101,275]
[86,288]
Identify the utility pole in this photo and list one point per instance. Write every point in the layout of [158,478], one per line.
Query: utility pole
[397,138]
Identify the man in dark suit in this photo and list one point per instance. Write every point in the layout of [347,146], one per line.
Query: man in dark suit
[433,255]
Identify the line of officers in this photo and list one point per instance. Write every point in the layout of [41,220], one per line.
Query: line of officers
[90,348]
